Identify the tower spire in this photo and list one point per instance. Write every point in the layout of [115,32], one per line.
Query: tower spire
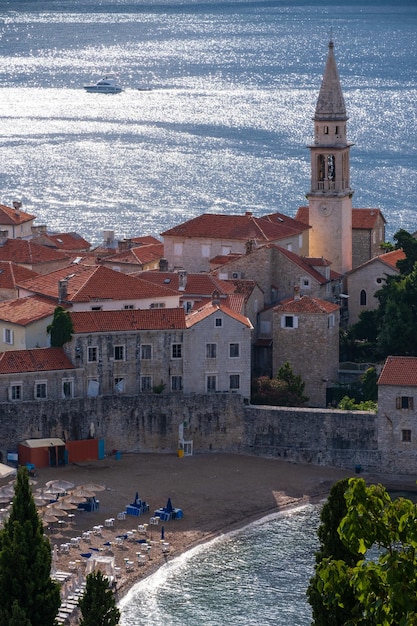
[330,103]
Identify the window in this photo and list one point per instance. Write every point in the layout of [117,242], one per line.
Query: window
[8,336]
[331,320]
[211,350]
[404,402]
[305,283]
[92,354]
[176,383]
[157,305]
[93,388]
[218,322]
[146,351]
[362,298]
[119,353]
[67,388]
[378,280]
[406,435]
[205,250]
[177,350]
[234,381]
[119,385]
[234,350]
[289,321]
[96,308]
[178,249]
[211,384]
[129,307]
[40,391]
[145,384]
[336,130]
[16,391]
[326,130]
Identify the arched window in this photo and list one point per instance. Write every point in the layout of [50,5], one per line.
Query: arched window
[363,298]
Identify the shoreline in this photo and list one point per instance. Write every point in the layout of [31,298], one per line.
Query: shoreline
[218,494]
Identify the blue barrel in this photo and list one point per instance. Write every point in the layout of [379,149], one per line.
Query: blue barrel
[118,456]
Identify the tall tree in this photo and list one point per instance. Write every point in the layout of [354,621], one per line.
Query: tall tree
[384,581]
[98,604]
[27,592]
[61,328]
[331,547]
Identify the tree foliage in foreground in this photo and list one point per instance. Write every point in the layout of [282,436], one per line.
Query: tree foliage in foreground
[331,547]
[287,389]
[384,586]
[61,328]
[28,596]
[98,605]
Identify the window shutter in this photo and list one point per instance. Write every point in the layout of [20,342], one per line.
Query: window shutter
[411,403]
[295,322]
[398,403]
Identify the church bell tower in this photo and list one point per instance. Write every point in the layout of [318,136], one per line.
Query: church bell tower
[330,195]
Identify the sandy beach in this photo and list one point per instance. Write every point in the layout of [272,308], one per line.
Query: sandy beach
[216,492]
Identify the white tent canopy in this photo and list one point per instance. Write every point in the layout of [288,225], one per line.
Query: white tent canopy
[6,470]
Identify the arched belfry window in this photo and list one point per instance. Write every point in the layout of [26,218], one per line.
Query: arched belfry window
[362,298]
[331,170]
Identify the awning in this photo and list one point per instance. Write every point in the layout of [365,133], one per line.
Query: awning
[43,443]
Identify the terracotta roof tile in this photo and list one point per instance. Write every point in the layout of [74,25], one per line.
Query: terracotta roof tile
[126,320]
[145,240]
[69,241]
[28,252]
[11,274]
[12,216]
[209,309]
[391,258]
[24,311]
[239,227]
[139,255]
[196,284]
[399,371]
[86,284]
[36,360]
[306,304]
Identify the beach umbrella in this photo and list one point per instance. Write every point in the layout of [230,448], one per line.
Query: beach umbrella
[80,491]
[169,508]
[51,490]
[40,500]
[56,511]
[62,485]
[92,487]
[75,499]
[7,490]
[62,503]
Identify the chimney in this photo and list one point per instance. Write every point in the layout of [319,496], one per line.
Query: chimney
[182,279]
[297,292]
[163,265]
[248,213]
[62,290]
[215,299]
[17,206]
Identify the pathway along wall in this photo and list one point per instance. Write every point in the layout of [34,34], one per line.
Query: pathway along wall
[219,422]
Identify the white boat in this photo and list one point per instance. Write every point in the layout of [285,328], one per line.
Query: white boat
[106,84]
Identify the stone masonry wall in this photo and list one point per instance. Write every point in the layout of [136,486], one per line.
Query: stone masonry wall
[218,423]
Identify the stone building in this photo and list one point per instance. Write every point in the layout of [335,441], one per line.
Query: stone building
[397,412]
[368,233]
[24,322]
[305,332]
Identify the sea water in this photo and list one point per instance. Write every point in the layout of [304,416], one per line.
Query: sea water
[253,577]
[216,112]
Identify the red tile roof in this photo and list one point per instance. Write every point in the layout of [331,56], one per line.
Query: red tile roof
[140,255]
[145,240]
[13,217]
[399,371]
[196,284]
[239,227]
[36,360]
[69,241]
[137,319]
[11,274]
[86,284]
[24,311]
[362,219]
[306,304]
[29,252]
[391,258]
[209,309]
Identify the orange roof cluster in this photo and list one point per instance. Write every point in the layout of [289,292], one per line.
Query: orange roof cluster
[139,255]
[239,227]
[11,274]
[209,309]
[24,311]
[137,319]
[13,217]
[36,360]
[86,284]
[306,304]
[68,241]
[399,371]
[29,252]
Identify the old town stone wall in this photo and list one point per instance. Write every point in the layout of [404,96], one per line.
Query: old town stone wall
[218,422]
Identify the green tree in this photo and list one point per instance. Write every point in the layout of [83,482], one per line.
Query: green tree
[284,390]
[98,605]
[369,382]
[384,579]
[294,382]
[28,596]
[61,327]
[408,244]
[331,547]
